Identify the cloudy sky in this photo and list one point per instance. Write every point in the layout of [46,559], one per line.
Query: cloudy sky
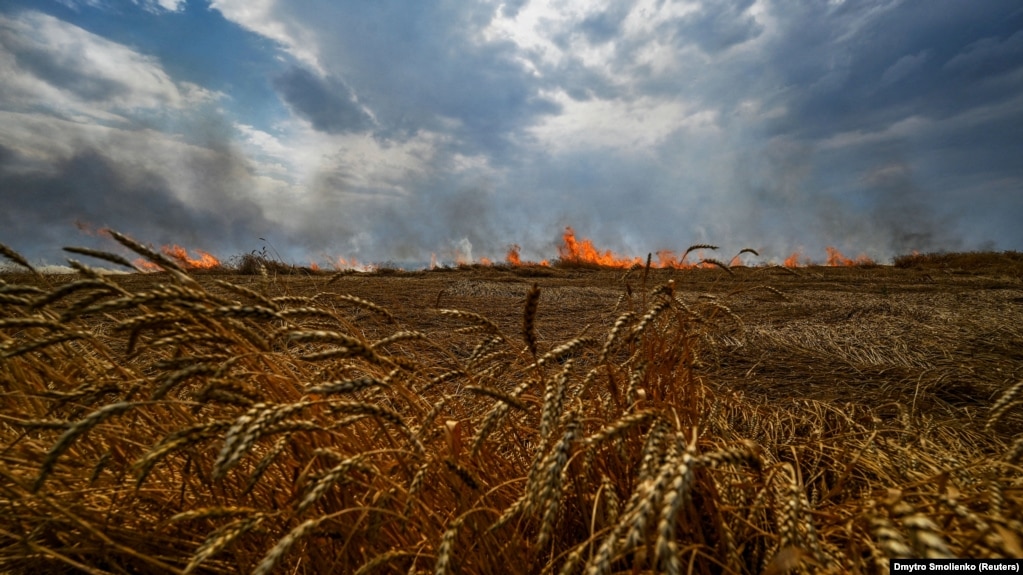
[387,130]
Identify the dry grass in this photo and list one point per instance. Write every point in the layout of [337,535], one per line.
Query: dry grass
[571,422]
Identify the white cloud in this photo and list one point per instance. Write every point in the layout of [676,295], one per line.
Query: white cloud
[618,125]
[172,5]
[161,5]
[51,64]
[269,19]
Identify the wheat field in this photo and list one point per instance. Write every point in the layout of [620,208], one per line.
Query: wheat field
[500,419]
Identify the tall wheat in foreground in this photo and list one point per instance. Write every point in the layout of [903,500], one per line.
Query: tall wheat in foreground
[205,426]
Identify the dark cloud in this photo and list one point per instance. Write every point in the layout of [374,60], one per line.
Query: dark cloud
[717,26]
[605,25]
[326,102]
[867,64]
[872,125]
[422,66]
[511,8]
[42,202]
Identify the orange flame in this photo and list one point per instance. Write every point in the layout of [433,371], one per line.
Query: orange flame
[835,258]
[146,265]
[571,250]
[512,257]
[352,264]
[204,261]
[575,251]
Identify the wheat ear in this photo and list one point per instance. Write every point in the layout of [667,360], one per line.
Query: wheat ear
[16,258]
[529,318]
[74,432]
[107,256]
[282,547]
[221,538]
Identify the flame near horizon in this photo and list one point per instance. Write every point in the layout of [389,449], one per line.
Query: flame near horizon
[572,250]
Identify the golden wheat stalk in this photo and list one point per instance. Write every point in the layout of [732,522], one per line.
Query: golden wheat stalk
[233,441]
[529,318]
[492,418]
[632,526]
[653,448]
[466,476]
[1015,451]
[13,289]
[475,318]
[496,394]
[8,299]
[153,256]
[248,429]
[30,321]
[308,311]
[695,247]
[330,478]
[174,378]
[550,494]
[447,545]
[399,336]
[364,304]
[501,356]
[612,335]
[220,538]
[383,559]
[652,494]
[554,400]
[561,351]
[418,479]
[925,537]
[1009,398]
[247,292]
[651,314]
[676,495]
[83,269]
[60,292]
[612,503]
[278,447]
[266,565]
[173,442]
[16,258]
[618,428]
[482,349]
[98,254]
[346,386]
[246,311]
[79,428]
[213,512]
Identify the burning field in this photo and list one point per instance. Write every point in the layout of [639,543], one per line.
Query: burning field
[593,414]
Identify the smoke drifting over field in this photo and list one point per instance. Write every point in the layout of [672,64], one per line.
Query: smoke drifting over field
[395,130]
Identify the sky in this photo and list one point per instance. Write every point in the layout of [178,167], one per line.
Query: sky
[387,130]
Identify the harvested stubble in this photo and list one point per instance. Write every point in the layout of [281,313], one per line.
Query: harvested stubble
[185,428]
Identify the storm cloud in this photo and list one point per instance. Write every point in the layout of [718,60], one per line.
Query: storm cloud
[393,130]
[327,104]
